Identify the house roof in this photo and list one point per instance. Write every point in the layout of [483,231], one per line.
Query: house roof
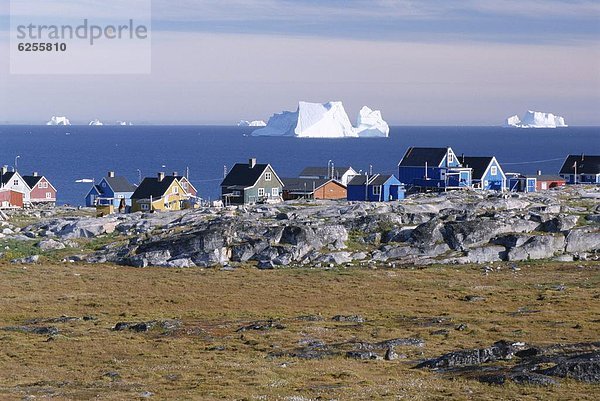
[585,164]
[546,177]
[242,175]
[324,171]
[151,187]
[306,184]
[479,164]
[377,179]
[32,180]
[6,177]
[120,184]
[419,156]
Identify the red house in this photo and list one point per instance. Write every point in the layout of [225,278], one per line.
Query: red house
[10,199]
[544,182]
[186,185]
[42,191]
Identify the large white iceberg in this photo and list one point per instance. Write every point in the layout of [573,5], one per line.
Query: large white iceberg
[58,121]
[536,119]
[95,122]
[255,123]
[327,120]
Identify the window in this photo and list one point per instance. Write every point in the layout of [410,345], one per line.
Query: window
[175,190]
[268,176]
[377,190]
[274,192]
[494,170]
[544,185]
[103,185]
[120,196]
[450,157]
[236,193]
[184,185]
[261,192]
[145,206]
[16,182]
[48,195]
[43,184]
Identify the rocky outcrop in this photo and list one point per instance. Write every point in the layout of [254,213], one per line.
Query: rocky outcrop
[520,363]
[453,227]
[501,350]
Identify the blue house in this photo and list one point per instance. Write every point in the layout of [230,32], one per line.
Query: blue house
[521,183]
[111,190]
[581,169]
[376,188]
[433,168]
[486,172]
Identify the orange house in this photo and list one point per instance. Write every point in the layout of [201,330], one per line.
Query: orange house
[309,188]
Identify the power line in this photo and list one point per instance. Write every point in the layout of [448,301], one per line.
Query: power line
[536,161]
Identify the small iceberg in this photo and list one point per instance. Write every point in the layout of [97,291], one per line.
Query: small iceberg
[55,120]
[124,123]
[535,119]
[255,123]
[95,122]
[326,120]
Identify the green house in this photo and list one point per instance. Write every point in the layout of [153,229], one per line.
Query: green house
[249,183]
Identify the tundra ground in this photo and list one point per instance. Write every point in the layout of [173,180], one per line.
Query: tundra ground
[206,357]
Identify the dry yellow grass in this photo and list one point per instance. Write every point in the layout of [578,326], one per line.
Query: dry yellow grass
[212,304]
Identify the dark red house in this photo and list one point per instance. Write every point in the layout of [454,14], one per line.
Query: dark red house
[10,199]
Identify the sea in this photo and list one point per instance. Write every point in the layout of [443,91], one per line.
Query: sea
[66,154]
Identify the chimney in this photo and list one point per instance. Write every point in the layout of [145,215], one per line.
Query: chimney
[175,174]
[161,176]
[35,173]
[4,169]
[539,172]
[111,174]
[252,162]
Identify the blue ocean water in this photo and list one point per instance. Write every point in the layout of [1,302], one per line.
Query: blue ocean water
[66,154]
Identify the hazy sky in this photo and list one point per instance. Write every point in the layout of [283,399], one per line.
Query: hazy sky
[468,62]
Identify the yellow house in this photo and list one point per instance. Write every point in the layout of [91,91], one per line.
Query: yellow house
[159,193]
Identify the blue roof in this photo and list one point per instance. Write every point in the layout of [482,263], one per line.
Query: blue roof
[417,157]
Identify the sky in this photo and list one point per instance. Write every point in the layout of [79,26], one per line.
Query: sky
[427,62]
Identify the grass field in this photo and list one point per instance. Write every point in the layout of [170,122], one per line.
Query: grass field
[207,359]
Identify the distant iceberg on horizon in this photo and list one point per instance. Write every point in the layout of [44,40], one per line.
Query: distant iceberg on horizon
[327,120]
[535,119]
[95,122]
[255,123]
[124,122]
[55,120]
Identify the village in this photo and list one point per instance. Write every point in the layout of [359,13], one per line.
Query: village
[420,170]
